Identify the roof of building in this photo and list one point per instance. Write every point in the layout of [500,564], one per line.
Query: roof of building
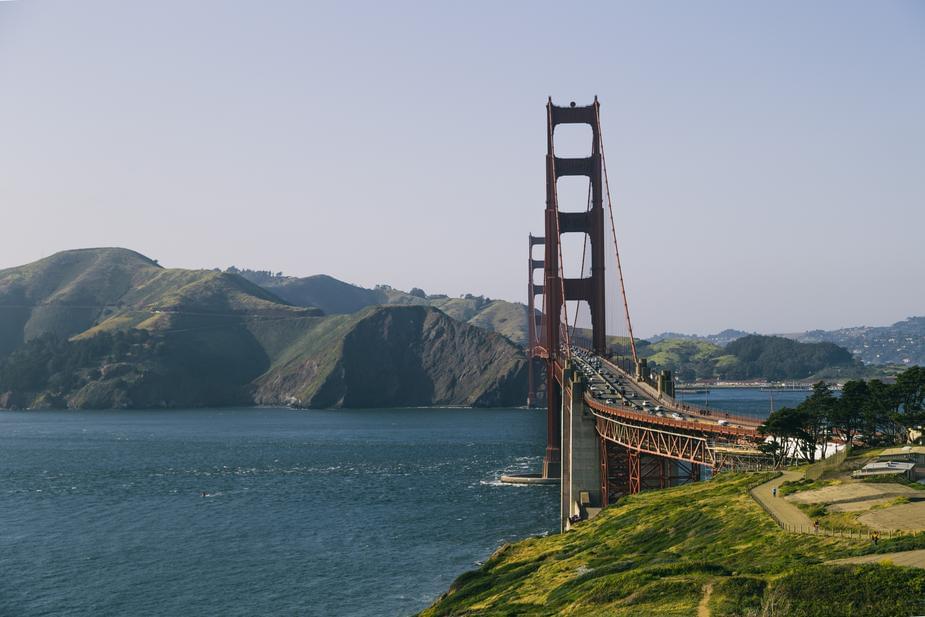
[886,467]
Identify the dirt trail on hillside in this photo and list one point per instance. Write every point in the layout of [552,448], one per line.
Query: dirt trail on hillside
[703,610]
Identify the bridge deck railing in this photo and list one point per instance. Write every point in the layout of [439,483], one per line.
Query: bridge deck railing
[631,414]
[671,402]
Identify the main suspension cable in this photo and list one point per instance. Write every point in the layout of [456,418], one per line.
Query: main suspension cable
[613,229]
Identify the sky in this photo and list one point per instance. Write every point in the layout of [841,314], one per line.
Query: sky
[766,159]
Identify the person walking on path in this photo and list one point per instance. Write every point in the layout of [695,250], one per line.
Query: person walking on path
[785,513]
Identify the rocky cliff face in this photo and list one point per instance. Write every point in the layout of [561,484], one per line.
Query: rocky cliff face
[401,355]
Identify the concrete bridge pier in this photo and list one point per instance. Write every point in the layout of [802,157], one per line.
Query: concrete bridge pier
[581,454]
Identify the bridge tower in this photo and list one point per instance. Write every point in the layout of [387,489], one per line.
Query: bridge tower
[572,449]
[602,442]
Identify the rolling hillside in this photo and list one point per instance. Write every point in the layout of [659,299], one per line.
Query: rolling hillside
[706,548]
[902,343]
[110,328]
[750,357]
[337,297]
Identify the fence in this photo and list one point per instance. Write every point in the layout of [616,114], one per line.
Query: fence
[859,534]
[815,471]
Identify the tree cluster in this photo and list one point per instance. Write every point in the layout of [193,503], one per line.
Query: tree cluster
[775,357]
[867,412]
[259,277]
[49,362]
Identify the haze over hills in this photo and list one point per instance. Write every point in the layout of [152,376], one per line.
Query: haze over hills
[141,335]
[900,343]
[110,327]
[720,338]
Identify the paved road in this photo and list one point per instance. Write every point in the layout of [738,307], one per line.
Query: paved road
[787,514]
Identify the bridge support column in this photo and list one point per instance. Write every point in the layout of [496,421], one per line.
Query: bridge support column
[581,455]
[552,461]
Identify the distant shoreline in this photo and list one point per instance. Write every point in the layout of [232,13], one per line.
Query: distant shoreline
[796,387]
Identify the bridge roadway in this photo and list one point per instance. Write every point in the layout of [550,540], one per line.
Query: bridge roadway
[634,414]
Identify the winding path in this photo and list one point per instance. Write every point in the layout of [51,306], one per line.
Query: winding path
[793,519]
[788,516]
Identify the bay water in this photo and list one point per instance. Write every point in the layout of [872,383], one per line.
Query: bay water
[228,512]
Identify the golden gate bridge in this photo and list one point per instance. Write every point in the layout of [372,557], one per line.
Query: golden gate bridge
[614,426]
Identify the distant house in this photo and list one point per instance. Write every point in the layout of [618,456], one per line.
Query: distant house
[905,454]
[887,468]
[907,461]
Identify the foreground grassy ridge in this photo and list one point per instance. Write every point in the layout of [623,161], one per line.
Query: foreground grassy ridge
[653,553]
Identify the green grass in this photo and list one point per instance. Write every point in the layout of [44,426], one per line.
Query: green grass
[894,480]
[869,590]
[651,554]
[794,486]
[734,596]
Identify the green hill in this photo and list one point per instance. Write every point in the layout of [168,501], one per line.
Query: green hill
[87,290]
[110,328]
[67,292]
[337,297]
[750,357]
[658,552]
[325,292]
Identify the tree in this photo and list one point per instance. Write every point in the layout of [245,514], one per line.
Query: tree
[910,393]
[848,413]
[878,416]
[817,409]
[786,427]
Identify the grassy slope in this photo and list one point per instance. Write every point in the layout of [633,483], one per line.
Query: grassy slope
[327,293]
[675,352]
[337,297]
[220,332]
[652,555]
[86,290]
[67,292]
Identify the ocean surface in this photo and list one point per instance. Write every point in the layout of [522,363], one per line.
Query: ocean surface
[337,513]
[746,401]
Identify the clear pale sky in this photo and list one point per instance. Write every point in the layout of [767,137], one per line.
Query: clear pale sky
[767,159]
